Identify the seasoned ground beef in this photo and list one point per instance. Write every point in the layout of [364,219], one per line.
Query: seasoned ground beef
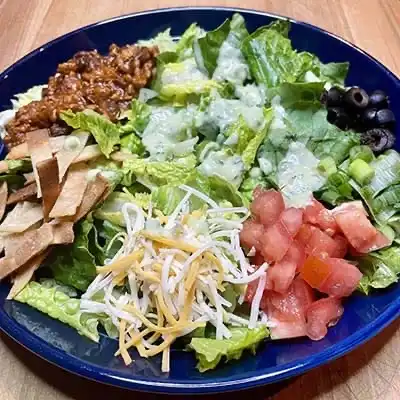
[106,84]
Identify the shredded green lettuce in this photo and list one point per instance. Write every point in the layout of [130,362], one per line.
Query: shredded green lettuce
[103,130]
[158,173]
[58,305]
[209,352]
[75,265]
[380,268]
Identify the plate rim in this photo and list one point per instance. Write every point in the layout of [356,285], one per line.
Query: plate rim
[85,369]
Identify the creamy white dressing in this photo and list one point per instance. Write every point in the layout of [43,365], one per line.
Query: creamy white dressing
[220,163]
[251,95]
[179,73]
[223,113]
[298,175]
[169,132]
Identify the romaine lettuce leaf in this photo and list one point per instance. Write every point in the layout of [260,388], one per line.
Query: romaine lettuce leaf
[206,49]
[380,268]
[132,144]
[108,169]
[138,117]
[75,265]
[184,46]
[58,305]
[103,130]
[209,352]
[223,190]
[272,60]
[158,173]
[32,94]
[166,198]
[163,40]
[231,65]
[181,81]
[111,209]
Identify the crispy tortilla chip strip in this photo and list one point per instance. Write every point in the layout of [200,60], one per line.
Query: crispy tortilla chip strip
[35,242]
[21,151]
[70,151]
[63,232]
[25,274]
[93,195]
[23,194]
[3,167]
[3,198]
[48,176]
[121,156]
[72,192]
[88,153]
[22,217]
[39,150]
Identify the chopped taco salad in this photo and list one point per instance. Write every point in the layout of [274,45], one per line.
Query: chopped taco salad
[215,189]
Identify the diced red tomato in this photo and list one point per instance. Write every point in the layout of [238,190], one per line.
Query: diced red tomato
[321,314]
[312,211]
[353,221]
[287,310]
[292,219]
[378,242]
[333,276]
[275,242]
[298,254]
[287,329]
[342,246]
[343,280]
[316,242]
[317,214]
[304,234]
[267,206]
[315,271]
[251,234]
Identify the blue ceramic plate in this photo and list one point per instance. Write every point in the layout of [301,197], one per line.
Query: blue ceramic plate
[364,316]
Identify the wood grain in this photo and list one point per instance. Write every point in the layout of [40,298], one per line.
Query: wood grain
[371,372]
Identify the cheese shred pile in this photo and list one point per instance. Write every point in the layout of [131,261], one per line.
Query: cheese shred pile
[169,276]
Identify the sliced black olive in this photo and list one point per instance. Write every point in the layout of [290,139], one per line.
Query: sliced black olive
[356,98]
[368,118]
[379,99]
[385,119]
[339,117]
[333,97]
[378,139]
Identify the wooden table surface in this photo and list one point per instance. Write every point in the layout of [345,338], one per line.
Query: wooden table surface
[371,372]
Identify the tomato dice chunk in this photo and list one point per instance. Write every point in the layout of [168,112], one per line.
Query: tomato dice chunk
[343,280]
[251,234]
[280,275]
[287,310]
[267,206]
[292,219]
[353,222]
[321,314]
[275,242]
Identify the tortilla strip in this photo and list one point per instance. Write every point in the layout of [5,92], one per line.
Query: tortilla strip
[121,156]
[48,176]
[63,232]
[21,151]
[93,195]
[3,167]
[72,192]
[39,150]
[25,274]
[23,194]
[35,242]
[66,156]
[88,153]
[22,217]
[3,198]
